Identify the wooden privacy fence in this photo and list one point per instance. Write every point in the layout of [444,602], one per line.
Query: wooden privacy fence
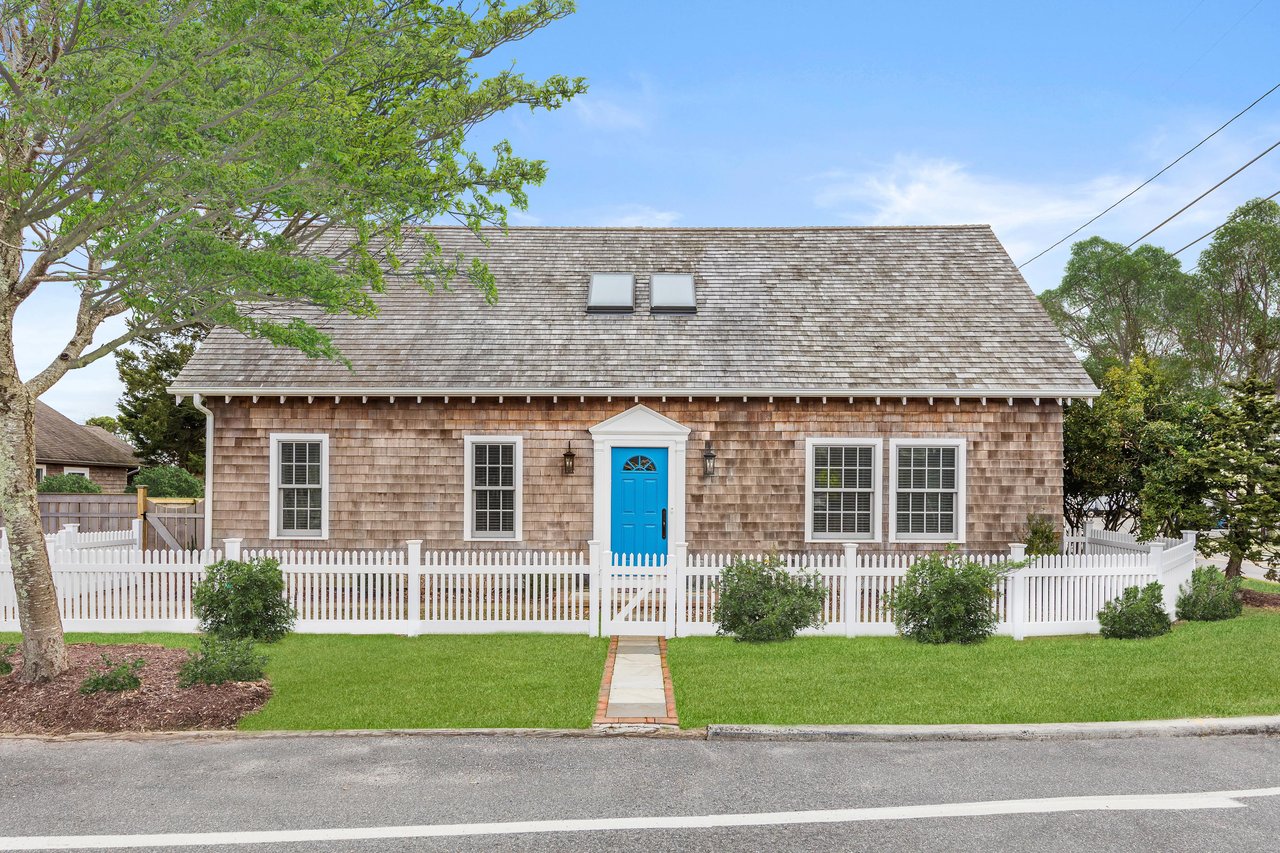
[411,592]
[175,523]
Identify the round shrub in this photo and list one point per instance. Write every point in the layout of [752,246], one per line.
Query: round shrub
[68,484]
[1209,596]
[222,659]
[1137,613]
[947,599]
[1042,537]
[167,481]
[244,601]
[760,601]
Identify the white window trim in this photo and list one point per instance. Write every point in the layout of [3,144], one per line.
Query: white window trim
[83,472]
[276,439]
[41,472]
[962,489]
[877,486]
[468,501]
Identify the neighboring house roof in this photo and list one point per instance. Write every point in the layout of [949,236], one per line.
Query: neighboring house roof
[779,310]
[61,440]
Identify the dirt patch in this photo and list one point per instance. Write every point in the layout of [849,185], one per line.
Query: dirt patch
[58,706]
[1253,598]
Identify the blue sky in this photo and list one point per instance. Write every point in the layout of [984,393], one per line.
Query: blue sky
[1031,117]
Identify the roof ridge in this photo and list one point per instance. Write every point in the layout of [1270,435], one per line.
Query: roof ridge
[980,226]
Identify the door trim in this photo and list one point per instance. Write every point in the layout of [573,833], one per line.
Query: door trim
[638,426]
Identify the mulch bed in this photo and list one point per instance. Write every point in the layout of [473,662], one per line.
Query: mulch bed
[58,707]
[1253,598]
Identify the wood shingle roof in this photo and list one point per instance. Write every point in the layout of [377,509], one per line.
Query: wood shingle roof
[836,310]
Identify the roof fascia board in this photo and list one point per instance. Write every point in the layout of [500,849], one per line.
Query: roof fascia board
[887,393]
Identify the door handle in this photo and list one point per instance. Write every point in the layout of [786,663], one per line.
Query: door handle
[664,524]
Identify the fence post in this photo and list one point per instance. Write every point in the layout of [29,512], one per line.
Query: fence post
[676,584]
[231,549]
[1190,536]
[136,527]
[595,591]
[415,586]
[142,515]
[850,596]
[1169,592]
[1017,593]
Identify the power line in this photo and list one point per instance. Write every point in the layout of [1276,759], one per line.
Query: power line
[1215,230]
[1133,191]
[1195,200]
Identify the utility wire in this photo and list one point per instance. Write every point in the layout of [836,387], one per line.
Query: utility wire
[1215,231]
[1195,200]
[1133,191]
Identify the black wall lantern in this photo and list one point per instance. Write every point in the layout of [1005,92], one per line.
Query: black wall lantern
[568,458]
[708,460]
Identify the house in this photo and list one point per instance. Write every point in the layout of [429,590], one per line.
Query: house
[66,447]
[731,388]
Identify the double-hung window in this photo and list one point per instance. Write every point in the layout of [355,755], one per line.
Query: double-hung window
[928,489]
[493,486]
[843,489]
[299,486]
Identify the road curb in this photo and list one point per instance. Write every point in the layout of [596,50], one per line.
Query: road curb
[663,732]
[1202,727]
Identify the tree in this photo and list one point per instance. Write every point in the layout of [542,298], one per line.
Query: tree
[1240,468]
[1236,304]
[107,422]
[164,430]
[194,163]
[1114,304]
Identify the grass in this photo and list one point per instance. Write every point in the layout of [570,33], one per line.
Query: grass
[1261,586]
[453,681]
[1199,669]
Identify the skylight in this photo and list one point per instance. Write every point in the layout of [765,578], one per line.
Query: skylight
[612,291]
[672,292]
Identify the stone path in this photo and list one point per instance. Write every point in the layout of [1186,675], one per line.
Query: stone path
[636,689]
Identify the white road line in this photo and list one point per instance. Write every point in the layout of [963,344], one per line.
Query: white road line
[1122,802]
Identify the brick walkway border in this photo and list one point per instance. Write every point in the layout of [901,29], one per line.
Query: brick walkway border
[602,703]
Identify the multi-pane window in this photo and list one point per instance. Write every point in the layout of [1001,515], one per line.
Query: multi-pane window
[300,488]
[927,491]
[843,491]
[493,489]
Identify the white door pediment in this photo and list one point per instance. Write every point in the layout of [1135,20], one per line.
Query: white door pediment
[640,420]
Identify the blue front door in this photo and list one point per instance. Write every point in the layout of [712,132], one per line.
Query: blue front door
[639,501]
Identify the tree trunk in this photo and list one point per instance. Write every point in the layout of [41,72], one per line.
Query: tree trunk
[1234,561]
[44,654]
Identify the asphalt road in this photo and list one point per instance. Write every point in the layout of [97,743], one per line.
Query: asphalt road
[292,783]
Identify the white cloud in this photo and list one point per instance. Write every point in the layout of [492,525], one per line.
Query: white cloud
[602,113]
[636,216]
[44,324]
[1030,215]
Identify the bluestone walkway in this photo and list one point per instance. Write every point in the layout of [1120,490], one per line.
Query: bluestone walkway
[636,689]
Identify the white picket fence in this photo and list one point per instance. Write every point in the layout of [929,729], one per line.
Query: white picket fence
[410,592]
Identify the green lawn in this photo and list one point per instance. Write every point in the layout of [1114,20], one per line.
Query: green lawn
[453,681]
[1200,669]
[1261,586]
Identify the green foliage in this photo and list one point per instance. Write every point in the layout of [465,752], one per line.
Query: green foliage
[244,600]
[165,432]
[7,651]
[167,481]
[70,484]
[947,599]
[1042,536]
[1272,575]
[110,424]
[222,659]
[760,601]
[114,677]
[1136,613]
[1209,596]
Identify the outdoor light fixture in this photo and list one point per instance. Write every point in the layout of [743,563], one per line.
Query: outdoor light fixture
[568,459]
[708,460]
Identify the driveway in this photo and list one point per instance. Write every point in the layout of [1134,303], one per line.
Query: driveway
[742,796]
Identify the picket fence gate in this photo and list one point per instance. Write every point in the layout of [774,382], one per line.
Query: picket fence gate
[409,591]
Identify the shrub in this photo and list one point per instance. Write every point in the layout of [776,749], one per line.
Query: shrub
[167,481]
[244,600]
[1138,612]
[947,599]
[222,659]
[114,677]
[1271,574]
[760,601]
[1209,596]
[6,652]
[1042,536]
[69,484]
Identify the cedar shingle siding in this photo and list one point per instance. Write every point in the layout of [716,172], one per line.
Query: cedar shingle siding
[396,471]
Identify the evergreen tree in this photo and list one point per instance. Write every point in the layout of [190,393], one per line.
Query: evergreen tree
[163,431]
